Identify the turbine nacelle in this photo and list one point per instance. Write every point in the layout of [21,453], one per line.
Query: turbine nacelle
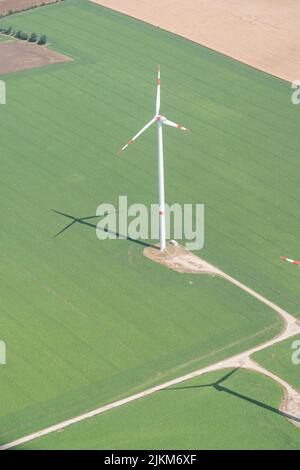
[158,117]
[167,122]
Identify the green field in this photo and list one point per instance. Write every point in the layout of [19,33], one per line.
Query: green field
[88,321]
[189,416]
[278,359]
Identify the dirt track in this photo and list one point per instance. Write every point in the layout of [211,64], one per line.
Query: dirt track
[188,262]
[179,259]
[261,33]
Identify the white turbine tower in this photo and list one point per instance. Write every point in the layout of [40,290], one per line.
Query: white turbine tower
[160,120]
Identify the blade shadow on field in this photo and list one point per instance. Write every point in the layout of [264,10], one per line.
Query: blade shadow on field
[84,221]
[221,388]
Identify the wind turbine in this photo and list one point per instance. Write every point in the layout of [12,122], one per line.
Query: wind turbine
[160,120]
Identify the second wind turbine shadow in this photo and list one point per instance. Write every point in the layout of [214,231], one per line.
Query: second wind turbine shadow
[84,221]
[220,388]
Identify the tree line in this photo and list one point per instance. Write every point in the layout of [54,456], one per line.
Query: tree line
[24,36]
[42,4]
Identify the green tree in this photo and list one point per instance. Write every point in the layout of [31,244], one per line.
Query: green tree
[42,40]
[33,37]
[24,36]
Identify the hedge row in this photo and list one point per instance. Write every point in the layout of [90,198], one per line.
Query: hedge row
[31,37]
[12,12]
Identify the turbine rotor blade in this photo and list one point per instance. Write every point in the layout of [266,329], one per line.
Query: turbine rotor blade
[174,124]
[293,261]
[137,135]
[158,91]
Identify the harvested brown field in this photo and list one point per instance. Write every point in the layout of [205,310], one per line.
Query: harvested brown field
[262,33]
[18,55]
[18,5]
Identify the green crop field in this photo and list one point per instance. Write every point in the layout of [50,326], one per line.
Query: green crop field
[87,321]
[279,360]
[189,416]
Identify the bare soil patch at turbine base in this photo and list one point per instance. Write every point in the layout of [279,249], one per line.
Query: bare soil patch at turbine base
[291,405]
[180,259]
[18,55]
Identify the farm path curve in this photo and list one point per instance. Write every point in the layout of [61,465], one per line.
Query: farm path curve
[290,407]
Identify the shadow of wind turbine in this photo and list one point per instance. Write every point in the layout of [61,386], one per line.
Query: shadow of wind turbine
[84,221]
[221,388]
[261,404]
